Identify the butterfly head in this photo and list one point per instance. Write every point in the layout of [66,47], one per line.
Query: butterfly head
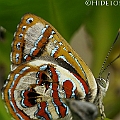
[103,83]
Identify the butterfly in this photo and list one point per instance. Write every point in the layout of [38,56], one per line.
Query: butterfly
[45,71]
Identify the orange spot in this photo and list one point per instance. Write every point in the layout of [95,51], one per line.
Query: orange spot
[83,83]
[55,94]
[36,52]
[28,58]
[62,110]
[68,86]
[54,74]
[61,107]
[42,42]
[58,102]
[42,112]
[47,32]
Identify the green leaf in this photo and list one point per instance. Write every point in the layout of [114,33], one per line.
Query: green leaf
[3,114]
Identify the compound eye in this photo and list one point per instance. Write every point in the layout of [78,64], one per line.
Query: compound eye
[101,82]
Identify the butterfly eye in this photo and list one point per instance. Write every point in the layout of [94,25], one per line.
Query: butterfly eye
[101,82]
[29,20]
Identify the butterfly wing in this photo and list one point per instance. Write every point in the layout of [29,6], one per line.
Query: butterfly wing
[36,38]
[37,44]
[29,94]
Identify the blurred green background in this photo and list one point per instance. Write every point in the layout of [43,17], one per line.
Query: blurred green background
[101,22]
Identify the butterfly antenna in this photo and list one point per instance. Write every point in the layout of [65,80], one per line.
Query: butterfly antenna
[103,69]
